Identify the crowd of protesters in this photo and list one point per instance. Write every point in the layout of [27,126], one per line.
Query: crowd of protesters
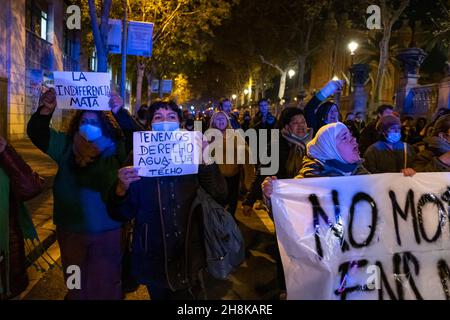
[97,192]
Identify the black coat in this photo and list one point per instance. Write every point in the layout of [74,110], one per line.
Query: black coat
[167,246]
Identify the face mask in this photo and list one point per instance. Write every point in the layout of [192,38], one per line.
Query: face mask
[394,137]
[165,126]
[90,132]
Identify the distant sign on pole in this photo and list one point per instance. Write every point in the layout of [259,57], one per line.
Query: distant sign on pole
[139,42]
[166,86]
[115,36]
[155,86]
[82,90]
[166,153]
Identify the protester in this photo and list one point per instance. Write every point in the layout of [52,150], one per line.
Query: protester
[408,132]
[232,171]
[295,134]
[333,152]
[88,156]
[226,106]
[436,156]
[319,112]
[142,117]
[351,124]
[263,118]
[369,135]
[245,124]
[167,249]
[389,154]
[18,183]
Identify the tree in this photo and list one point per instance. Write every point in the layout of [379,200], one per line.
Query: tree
[389,16]
[100,32]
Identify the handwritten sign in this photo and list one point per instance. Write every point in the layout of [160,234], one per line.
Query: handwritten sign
[82,90]
[166,153]
[365,237]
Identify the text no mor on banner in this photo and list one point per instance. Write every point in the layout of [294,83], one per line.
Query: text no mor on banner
[166,153]
[379,236]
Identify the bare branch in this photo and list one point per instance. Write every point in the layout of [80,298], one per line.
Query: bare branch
[271,64]
[166,23]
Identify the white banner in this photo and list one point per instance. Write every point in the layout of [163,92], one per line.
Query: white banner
[381,236]
[166,153]
[82,90]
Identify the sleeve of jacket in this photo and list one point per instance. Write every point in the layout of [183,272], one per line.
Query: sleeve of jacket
[310,111]
[255,192]
[122,208]
[213,182]
[370,159]
[25,183]
[38,130]
[45,138]
[128,126]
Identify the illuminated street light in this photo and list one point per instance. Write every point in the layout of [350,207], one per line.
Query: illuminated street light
[353,46]
[246,92]
[291,73]
[335,78]
[192,107]
[234,97]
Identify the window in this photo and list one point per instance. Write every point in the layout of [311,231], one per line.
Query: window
[36,17]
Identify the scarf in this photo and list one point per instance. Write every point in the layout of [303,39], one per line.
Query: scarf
[323,147]
[86,152]
[297,150]
[25,223]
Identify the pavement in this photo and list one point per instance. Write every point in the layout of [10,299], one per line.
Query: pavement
[255,279]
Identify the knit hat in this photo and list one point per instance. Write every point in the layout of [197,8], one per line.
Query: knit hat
[386,122]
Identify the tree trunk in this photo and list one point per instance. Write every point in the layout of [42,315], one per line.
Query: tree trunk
[384,58]
[100,33]
[149,76]
[140,78]
[301,72]
[282,84]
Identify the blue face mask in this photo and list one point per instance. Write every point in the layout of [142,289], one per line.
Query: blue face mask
[165,126]
[90,132]
[394,137]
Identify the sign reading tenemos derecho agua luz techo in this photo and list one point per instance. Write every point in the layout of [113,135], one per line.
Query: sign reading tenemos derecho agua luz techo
[82,90]
[381,236]
[166,153]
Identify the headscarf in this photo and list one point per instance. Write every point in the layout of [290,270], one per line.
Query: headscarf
[323,147]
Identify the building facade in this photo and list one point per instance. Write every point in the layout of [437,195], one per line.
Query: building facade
[34,41]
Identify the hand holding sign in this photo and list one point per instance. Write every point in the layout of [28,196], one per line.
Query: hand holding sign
[127,176]
[48,101]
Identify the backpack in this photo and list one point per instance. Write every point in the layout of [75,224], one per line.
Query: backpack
[224,243]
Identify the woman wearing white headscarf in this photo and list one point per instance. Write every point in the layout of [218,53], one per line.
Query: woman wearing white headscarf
[333,152]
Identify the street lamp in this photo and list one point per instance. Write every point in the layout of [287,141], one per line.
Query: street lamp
[245,91]
[234,97]
[353,46]
[335,78]
[291,73]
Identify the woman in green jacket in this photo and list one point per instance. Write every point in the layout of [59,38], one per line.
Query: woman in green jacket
[88,156]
